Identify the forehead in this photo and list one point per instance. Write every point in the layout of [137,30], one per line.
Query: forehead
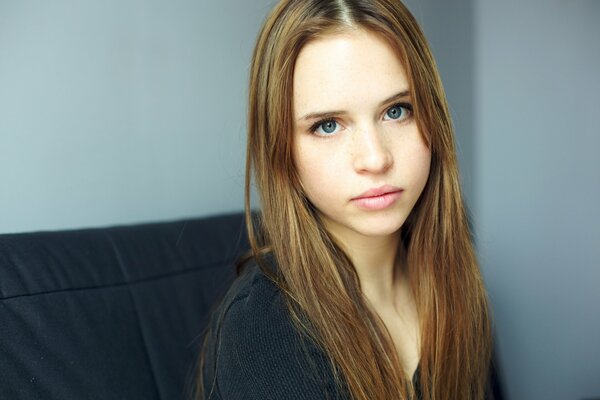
[347,71]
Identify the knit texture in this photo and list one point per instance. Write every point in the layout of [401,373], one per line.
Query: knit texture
[254,352]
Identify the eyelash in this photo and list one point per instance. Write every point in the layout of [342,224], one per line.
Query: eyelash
[313,129]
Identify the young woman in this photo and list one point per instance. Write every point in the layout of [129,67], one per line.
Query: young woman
[363,283]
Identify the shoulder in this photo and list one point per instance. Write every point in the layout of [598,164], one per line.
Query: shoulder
[257,353]
[255,312]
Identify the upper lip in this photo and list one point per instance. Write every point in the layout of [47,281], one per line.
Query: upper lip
[378,191]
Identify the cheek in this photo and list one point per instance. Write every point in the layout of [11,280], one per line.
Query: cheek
[412,163]
[415,160]
[424,162]
[317,170]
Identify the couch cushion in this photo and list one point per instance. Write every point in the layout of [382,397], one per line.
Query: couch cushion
[111,313]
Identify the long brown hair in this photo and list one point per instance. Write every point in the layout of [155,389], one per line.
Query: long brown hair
[320,285]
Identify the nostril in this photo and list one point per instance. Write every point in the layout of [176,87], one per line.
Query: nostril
[373,161]
[371,152]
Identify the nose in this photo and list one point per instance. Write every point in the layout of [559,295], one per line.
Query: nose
[371,153]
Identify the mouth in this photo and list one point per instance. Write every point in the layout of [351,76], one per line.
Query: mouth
[378,198]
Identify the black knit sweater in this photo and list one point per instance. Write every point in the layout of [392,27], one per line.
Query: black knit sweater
[260,356]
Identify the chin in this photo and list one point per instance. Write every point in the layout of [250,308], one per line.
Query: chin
[373,226]
[377,227]
[378,231]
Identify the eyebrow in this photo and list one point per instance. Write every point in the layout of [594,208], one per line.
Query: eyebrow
[328,114]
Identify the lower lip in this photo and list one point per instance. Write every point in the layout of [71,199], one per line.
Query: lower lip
[377,202]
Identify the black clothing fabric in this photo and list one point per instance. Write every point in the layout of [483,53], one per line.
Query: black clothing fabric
[254,352]
[260,355]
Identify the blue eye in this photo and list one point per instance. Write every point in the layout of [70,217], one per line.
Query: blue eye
[398,112]
[325,128]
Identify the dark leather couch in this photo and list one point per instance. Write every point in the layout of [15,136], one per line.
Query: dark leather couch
[111,313]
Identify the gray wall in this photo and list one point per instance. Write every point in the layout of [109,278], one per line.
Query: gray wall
[117,112]
[538,190]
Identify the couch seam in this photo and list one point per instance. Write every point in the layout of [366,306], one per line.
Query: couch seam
[135,309]
[124,283]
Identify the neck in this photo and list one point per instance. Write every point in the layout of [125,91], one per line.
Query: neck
[380,266]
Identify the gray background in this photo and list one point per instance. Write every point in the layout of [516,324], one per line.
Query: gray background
[119,112]
[122,111]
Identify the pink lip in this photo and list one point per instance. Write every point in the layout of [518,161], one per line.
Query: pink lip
[378,198]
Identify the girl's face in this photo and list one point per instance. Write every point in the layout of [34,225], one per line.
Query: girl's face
[361,159]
